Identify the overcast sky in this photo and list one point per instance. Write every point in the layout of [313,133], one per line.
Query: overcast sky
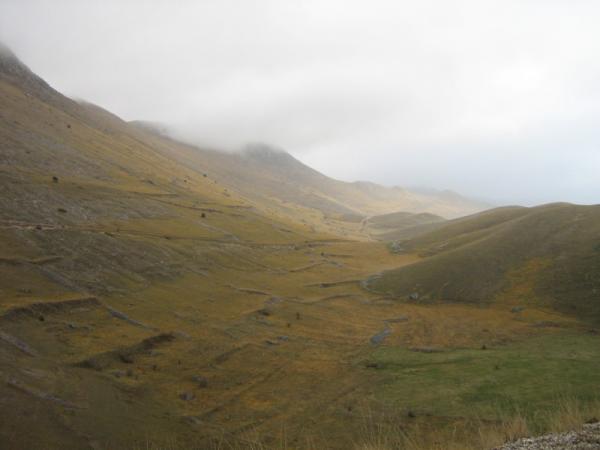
[494,99]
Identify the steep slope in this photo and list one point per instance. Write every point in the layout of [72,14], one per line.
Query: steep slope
[271,173]
[307,186]
[544,256]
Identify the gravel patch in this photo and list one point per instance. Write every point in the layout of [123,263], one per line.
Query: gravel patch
[587,438]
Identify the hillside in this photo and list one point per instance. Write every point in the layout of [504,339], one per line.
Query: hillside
[543,256]
[361,198]
[271,173]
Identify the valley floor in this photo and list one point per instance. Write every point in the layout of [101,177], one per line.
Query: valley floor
[278,344]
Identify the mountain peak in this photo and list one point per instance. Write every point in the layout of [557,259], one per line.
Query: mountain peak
[263,150]
[16,72]
[10,64]
[5,51]
[272,156]
[152,127]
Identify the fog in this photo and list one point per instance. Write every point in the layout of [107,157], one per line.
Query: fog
[498,100]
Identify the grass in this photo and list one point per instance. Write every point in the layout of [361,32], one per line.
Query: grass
[510,255]
[524,376]
[473,398]
[569,413]
[386,429]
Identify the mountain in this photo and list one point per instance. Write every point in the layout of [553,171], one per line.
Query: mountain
[311,188]
[264,171]
[546,256]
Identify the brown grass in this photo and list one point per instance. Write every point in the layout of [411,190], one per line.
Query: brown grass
[477,434]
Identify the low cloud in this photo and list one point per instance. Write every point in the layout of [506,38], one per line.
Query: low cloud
[495,99]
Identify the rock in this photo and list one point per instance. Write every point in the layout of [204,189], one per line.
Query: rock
[187,396]
[126,358]
[588,438]
[380,337]
[200,381]
[396,247]
[414,296]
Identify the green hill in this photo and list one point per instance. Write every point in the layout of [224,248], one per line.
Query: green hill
[544,256]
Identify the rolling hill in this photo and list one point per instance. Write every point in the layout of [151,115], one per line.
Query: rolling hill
[542,256]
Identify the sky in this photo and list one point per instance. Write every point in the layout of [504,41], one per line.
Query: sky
[497,100]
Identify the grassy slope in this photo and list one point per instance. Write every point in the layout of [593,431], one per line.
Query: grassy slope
[544,256]
[495,382]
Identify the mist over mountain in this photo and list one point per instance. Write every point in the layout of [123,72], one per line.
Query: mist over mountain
[467,96]
[210,238]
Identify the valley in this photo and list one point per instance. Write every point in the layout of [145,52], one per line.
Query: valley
[157,295]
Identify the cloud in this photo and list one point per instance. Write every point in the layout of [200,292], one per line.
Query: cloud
[497,99]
